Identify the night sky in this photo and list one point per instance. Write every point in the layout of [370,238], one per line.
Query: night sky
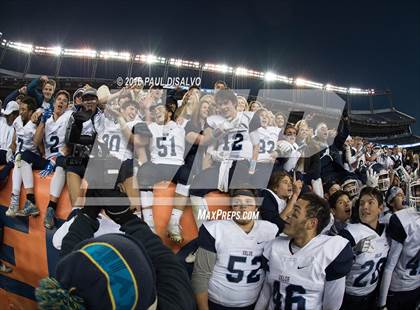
[366,44]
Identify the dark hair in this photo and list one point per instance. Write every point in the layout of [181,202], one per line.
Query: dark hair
[194,86]
[129,103]
[246,190]
[63,92]
[20,97]
[317,208]
[225,95]
[171,108]
[334,197]
[220,82]
[30,102]
[276,177]
[125,94]
[374,192]
[290,126]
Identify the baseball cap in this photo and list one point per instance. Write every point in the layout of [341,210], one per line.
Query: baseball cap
[78,92]
[11,107]
[91,92]
[392,193]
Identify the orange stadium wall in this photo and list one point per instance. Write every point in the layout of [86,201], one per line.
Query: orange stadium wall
[27,245]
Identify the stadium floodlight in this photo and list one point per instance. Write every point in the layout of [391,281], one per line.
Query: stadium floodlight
[307,83]
[218,68]
[115,55]
[80,52]
[53,50]
[358,91]
[270,76]
[26,48]
[223,68]
[337,89]
[241,71]
[151,59]
[177,62]
[56,50]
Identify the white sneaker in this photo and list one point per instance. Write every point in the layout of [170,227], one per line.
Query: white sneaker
[175,233]
[14,206]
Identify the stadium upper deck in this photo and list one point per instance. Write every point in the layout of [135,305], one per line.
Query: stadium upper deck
[72,68]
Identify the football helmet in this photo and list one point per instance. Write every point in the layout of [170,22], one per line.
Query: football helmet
[384,181]
[414,195]
[351,186]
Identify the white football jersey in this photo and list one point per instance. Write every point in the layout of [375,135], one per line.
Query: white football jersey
[368,266]
[167,144]
[267,139]
[6,134]
[296,281]
[55,133]
[116,141]
[24,136]
[236,143]
[238,275]
[406,275]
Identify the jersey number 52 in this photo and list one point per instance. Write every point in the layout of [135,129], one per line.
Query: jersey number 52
[236,275]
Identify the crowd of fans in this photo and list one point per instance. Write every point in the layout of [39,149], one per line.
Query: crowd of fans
[339,222]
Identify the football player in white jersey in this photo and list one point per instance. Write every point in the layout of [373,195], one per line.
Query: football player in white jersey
[119,123]
[22,142]
[264,141]
[232,151]
[306,269]
[370,248]
[50,135]
[7,117]
[340,204]
[228,270]
[93,127]
[165,141]
[400,287]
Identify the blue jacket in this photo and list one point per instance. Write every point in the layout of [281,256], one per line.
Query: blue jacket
[11,97]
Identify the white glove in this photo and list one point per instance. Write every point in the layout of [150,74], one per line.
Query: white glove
[217,156]
[284,148]
[9,156]
[372,178]
[364,245]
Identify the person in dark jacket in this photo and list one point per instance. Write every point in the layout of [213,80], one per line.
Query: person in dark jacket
[115,271]
[42,90]
[14,95]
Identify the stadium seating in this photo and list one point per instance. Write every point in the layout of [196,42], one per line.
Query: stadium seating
[28,245]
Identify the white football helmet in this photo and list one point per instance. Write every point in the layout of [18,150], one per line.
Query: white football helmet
[414,195]
[384,181]
[351,186]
